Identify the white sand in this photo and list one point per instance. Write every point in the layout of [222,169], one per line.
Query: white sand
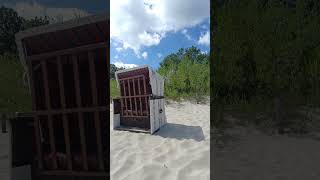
[253,155]
[179,150]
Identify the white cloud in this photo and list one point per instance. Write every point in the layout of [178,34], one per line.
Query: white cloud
[185,33]
[144,55]
[149,39]
[138,23]
[204,27]
[120,64]
[116,56]
[114,43]
[204,52]
[204,39]
[119,49]
[159,55]
[30,10]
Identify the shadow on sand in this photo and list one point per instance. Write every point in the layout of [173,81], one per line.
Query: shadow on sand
[181,132]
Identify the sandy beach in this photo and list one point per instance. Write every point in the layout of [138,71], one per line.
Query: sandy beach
[179,151]
[252,155]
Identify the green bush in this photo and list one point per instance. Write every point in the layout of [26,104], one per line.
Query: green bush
[267,52]
[14,96]
[186,73]
[114,90]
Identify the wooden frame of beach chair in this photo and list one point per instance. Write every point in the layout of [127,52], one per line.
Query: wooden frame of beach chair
[67,66]
[140,106]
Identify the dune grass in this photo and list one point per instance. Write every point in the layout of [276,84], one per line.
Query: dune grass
[114,90]
[14,96]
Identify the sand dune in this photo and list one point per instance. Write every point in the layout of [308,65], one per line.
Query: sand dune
[179,150]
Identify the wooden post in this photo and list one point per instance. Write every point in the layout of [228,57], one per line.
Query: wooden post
[48,104]
[141,112]
[145,92]
[130,99]
[96,113]
[134,94]
[36,118]
[64,116]
[121,100]
[125,98]
[80,115]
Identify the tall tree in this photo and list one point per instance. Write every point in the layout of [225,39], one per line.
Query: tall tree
[10,24]
[113,69]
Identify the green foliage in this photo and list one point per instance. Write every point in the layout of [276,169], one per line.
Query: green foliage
[186,73]
[267,51]
[10,24]
[36,21]
[113,69]
[114,90]
[14,96]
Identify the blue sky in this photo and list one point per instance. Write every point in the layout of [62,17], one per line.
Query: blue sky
[170,44]
[145,31]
